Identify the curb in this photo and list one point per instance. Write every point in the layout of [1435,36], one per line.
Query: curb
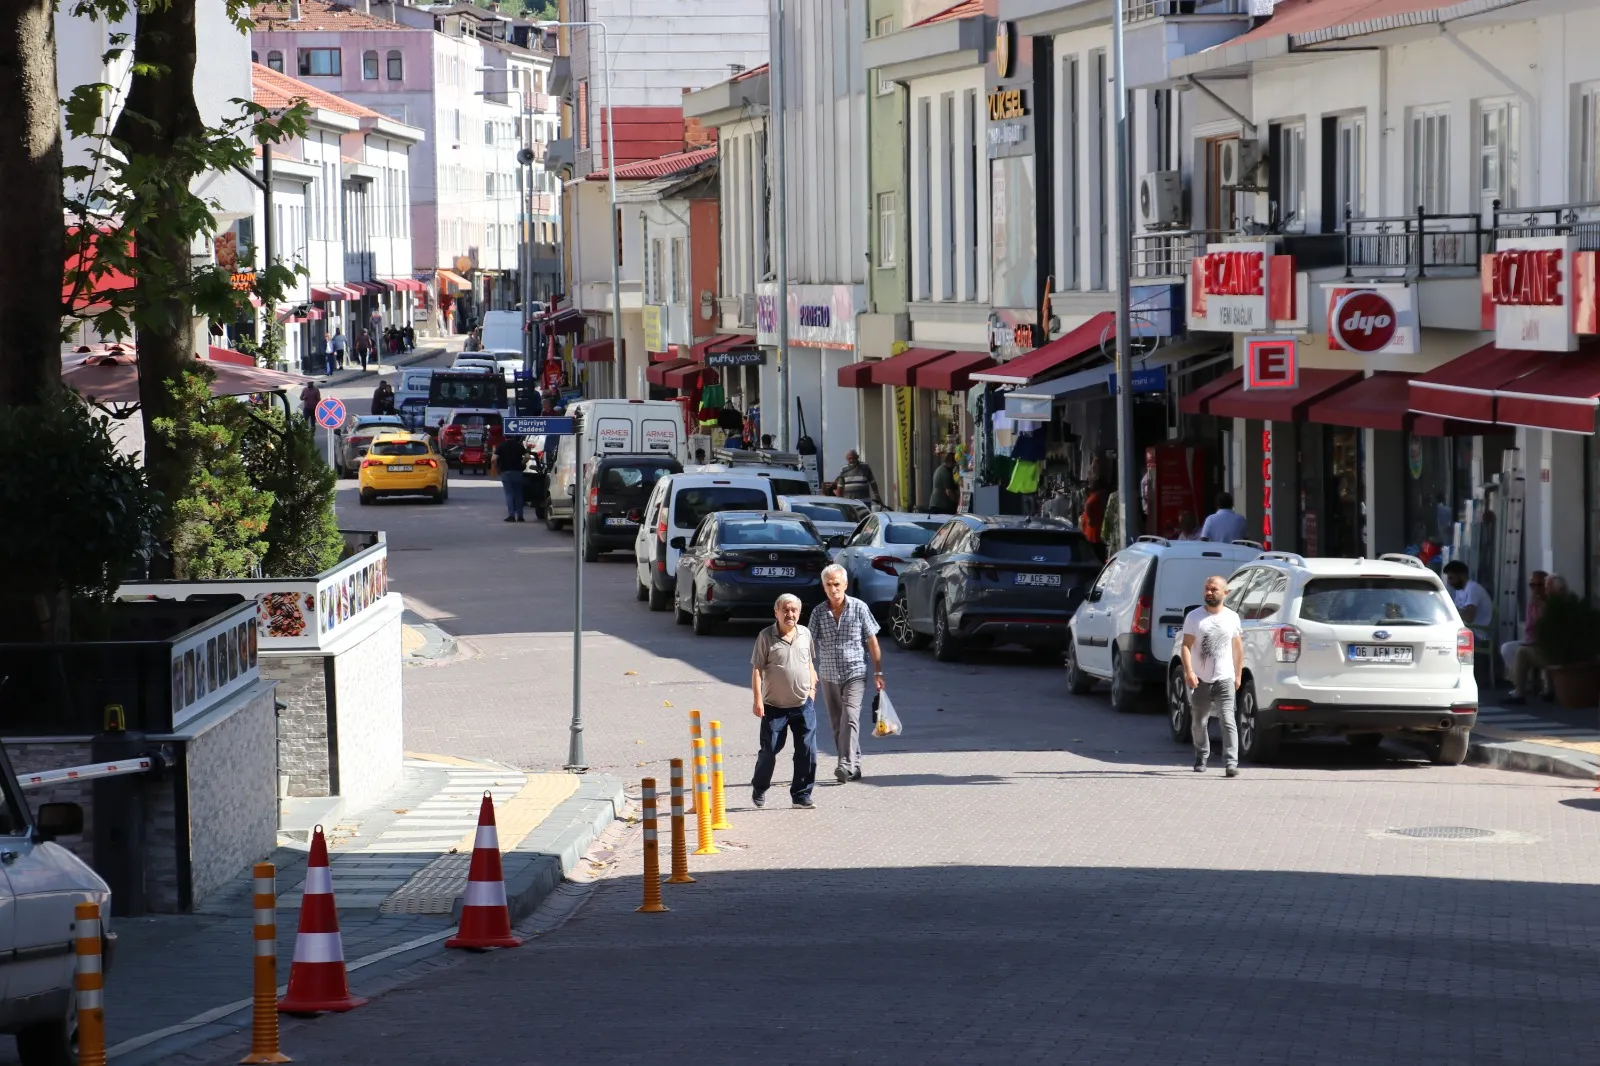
[1532,758]
[436,643]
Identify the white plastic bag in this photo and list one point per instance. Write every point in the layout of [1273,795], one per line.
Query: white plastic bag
[885,723]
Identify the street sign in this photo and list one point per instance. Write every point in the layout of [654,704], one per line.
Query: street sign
[1146,380]
[537,426]
[330,413]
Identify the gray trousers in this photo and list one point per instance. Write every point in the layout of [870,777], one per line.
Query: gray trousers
[1214,698]
[843,699]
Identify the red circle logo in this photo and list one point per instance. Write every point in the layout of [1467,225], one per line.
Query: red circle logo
[1363,321]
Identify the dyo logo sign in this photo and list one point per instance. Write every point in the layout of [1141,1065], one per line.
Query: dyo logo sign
[1363,321]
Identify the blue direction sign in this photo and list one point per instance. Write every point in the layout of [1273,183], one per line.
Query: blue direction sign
[1150,379]
[537,426]
[330,413]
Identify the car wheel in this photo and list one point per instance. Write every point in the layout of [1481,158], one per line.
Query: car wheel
[591,551]
[1124,697]
[365,497]
[1453,746]
[1179,719]
[704,624]
[1257,743]
[679,615]
[551,522]
[1078,682]
[641,593]
[52,1043]
[659,601]
[946,645]
[1365,741]
[905,637]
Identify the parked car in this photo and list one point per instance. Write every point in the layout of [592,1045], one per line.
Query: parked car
[739,562]
[1360,648]
[676,507]
[608,427]
[411,395]
[993,580]
[878,548]
[352,439]
[619,488]
[1125,630]
[403,464]
[834,517]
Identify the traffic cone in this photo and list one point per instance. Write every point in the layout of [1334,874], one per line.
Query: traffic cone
[317,979]
[485,919]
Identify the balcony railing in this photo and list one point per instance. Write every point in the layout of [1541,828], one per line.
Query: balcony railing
[1167,255]
[1580,220]
[1412,245]
[1139,10]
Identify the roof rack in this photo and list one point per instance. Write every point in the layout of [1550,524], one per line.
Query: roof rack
[1256,544]
[756,457]
[1404,559]
[1287,557]
[1151,539]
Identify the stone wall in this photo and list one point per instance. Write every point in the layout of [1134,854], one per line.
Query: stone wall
[303,726]
[231,773]
[30,756]
[369,731]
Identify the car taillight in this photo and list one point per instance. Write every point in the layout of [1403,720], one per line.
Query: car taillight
[661,529]
[427,463]
[1465,645]
[1141,616]
[982,573]
[885,564]
[358,441]
[635,516]
[1286,644]
[371,462]
[594,501]
[726,564]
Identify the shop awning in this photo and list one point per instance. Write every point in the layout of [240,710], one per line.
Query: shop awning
[111,376]
[1465,387]
[1198,402]
[857,375]
[350,291]
[1281,405]
[407,284]
[953,373]
[323,295]
[1099,331]
[228,355]
[722,342]
[896,370]
[1383,401]
[367,288]
[688,376]
[656,374]
[599,351]
[1563,395]
[92,294]
[568,320]
[454,280]
[667,356]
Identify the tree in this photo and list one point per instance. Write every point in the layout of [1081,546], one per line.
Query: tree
[281,456]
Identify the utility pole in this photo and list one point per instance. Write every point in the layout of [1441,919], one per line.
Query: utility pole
[1127,461]
[780,190]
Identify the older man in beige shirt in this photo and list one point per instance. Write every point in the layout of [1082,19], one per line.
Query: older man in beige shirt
[783,680]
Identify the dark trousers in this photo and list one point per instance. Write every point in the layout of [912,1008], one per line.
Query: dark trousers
[801,721]
[511,484]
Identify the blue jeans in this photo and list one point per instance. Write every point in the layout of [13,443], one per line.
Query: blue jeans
[800,721]
[511,484]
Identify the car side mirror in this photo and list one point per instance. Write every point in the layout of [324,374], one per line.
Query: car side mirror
[58,820]
[678,543]
[919,552]
[836,541]
[1094,596]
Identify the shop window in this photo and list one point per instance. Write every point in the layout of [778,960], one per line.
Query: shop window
[1430,159]
[397,65]
[369,66]
[321,63]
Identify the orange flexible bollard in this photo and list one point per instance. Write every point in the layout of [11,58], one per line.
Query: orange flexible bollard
[89,981]
[264,1012]
[719,810]
[694,735]
[652,851]
[680,845]
[702,802]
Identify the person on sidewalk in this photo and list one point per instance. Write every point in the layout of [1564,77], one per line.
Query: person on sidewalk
[1530,615]
[310,396]
[1472,600]
[363,348]
[783,679]
[1213,665]
[1224,525]
[946,493]
[1527,662]
[509,459]
[856,480]
[337,348]
[845,633]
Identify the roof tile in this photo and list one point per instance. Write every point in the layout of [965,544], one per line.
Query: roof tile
[318,16]
[275,90]
[659,167]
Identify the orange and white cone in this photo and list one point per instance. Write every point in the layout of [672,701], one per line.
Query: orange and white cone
[317,978]
[485,918]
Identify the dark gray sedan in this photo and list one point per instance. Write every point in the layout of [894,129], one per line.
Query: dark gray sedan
[740,562]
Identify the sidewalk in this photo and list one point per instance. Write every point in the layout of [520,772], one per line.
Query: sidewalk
[398,872]
[1539,737]
[427,348]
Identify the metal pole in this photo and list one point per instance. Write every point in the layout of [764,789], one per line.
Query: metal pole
[616,252]
[269,239]
[780,191]
[1127,466]
[575,759]
[528,342]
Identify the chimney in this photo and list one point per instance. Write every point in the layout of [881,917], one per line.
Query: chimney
[697,136]
[294,10]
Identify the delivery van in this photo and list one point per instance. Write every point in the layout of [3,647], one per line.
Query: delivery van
[611,427]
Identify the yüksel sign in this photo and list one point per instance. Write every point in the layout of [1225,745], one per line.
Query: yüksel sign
[1532,284]
[820,316]
[1243,288]
[1371,319]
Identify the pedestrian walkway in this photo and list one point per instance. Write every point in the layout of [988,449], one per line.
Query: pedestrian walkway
[1538,737]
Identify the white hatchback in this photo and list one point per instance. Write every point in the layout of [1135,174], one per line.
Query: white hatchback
[1357,648]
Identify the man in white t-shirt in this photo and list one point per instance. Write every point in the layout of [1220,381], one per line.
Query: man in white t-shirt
[1472,600]
[1213,665]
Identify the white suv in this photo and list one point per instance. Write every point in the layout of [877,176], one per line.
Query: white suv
[1345,647]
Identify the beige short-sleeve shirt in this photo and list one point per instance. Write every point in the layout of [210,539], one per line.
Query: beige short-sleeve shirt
[785,666]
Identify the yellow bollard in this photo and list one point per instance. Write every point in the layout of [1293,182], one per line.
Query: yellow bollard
[694,735]
[90,984]
[719,810]
[702,801]
[652,854]
[680,845]
[264,1013]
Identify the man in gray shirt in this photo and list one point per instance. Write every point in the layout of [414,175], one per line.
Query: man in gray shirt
[945,495]
[783,679]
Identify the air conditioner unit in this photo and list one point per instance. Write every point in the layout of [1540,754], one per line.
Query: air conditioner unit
[1237,160]
[1161,200]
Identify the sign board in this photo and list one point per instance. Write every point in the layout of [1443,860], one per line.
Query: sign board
[1235,282]
[744,357]
[1372,319]
[660,436]
[1271,363]
[1027,408]
[654,335]
[330,413]
[820,316]
[1266,487]
[613,435]
[537,426]
[1531,283]
[1150,379]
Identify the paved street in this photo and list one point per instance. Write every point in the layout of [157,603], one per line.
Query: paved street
[1024,877]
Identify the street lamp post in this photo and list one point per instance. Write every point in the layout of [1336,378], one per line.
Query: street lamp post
[1127,462]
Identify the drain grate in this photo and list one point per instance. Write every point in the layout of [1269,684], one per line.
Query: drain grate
[1443,832]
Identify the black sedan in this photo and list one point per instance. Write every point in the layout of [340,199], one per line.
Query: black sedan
[740,562]
[990,581]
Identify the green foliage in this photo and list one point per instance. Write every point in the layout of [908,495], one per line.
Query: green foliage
[75,513]
[1568,632]
[281,456]
[219,525]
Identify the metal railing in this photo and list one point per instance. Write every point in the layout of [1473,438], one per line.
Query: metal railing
[1167,254]
[1579,220]
[1140,10]
[1414,244]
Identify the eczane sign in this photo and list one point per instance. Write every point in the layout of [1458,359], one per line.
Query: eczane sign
[1243,288]
[1529,281]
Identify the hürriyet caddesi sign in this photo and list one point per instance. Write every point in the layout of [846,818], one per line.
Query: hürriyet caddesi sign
[1371,319]
[1539,293]
[1242,288]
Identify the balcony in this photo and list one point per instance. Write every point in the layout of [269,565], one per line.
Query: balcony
[1412,246]
[1579,220]
[540,102]
[1141,10]
[1166,255]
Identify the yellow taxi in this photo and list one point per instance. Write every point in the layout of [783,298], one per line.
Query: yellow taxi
[403,464]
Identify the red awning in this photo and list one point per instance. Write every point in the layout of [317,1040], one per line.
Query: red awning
[954,372]
[111,376]
[656,373]
[688,376]
[323,295]
[1282,405]
[407,284]
[599,351]
[1465,387]
[857,375]
[1564,394]
[110,281]
[1100,330]
[896,370]
[667,356]
[1383,401]
[1198,402]
[737,340]
[228,355]
[568,320]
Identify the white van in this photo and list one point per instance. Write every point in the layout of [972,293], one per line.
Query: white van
[673,513]
[411,394]
[611,427]
[1125,628]
[503,330]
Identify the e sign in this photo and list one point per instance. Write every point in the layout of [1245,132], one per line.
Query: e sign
[1271,363]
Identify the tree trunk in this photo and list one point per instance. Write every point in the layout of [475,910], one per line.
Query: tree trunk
[159,114]
[31,227]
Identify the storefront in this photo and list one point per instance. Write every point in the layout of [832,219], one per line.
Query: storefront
[822,342]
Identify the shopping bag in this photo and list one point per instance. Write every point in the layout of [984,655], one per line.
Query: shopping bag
[885,723]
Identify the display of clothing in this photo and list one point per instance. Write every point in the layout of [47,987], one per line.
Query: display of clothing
[1030,446]
[1025,476]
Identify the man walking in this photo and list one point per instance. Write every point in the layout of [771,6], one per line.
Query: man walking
[844,630]
[509,459]
[1224,525]
[337,347]
[855,481]
[310,396]
[945,495]
[1213,667]
[783,678]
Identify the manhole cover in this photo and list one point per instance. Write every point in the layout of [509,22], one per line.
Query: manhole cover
[1444,832]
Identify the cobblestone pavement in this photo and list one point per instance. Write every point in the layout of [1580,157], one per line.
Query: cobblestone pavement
[1023,877]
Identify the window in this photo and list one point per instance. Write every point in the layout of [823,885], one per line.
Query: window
[1162,104]
[321,63]
[658,271]
[970,149]
[583,114]
[1067,168]
[680,270]
[1498,165]
[397,66]
[1100,271]
[882,28]
[488,132]
[947,195]
[255,57]
[275,61]
[923,254]
[1289,173]
[1374,601]
[1430,160]
[369,66]
[1350,168]
[888,230]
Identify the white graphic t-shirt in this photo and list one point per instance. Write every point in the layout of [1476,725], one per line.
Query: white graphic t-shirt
[1211,658]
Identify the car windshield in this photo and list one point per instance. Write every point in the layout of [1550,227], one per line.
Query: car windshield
[1036,546]
[400,447]
[910,532]
[783,486]
[1374,601]
[369,421]
[747,532]
[833,511]
[477,390]
[634,477]
[695,503]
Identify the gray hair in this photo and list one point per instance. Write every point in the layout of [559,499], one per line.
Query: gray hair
[787,597]
[835,569]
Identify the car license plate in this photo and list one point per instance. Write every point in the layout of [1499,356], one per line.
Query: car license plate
[404,469]
[618,522]
[772,571]
[1379,653]
[1038,579]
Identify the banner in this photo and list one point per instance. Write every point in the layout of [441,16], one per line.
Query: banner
[653,334]
[902,446]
